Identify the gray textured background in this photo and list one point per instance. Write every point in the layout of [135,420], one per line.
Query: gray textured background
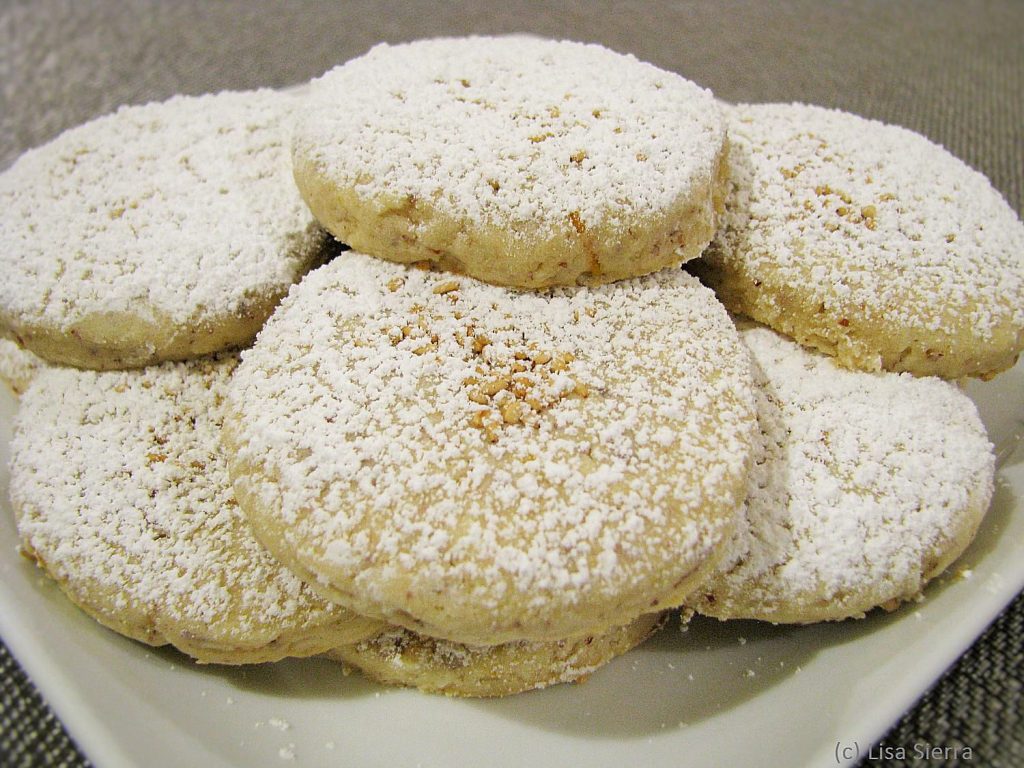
[953,71]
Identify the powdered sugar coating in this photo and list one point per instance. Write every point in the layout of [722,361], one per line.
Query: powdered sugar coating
[122,494]
[869,242]
[864,486]
[535,138]
[485,465]
[17,366]
[181,214]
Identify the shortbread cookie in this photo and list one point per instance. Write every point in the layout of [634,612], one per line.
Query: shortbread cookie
[401,657]
[121,494]
[483,465]
[159,232]
[864,487]
[17,366]
[868,242]
[516,160]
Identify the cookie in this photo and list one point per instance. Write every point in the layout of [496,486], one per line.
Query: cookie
[516,160]
[121,494]
[864,487]
[17,366]
[868,242]
[159,232]
[404,658]
[484,465]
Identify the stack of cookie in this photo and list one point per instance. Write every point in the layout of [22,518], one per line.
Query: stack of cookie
[160,232]
[487,446]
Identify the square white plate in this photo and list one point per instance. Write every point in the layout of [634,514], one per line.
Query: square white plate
[719,694]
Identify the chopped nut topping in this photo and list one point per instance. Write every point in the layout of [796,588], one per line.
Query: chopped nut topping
[561,361]
[446,287]
[512,412]
[496,386]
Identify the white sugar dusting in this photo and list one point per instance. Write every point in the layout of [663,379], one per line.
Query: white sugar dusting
[121,488]
[18,366]
[518,132]
[857,478]
[185,210]
[437,430]
[868,220]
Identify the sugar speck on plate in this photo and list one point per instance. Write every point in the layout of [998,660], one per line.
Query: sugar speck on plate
[287,752]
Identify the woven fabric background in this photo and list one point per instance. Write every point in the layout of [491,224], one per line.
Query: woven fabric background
[950,69]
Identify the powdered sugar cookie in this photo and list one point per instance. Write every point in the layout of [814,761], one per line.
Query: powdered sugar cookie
[401,657]
[868,242]
[864,487]
[159,232]
[17,366]
[516,160]
[483,465]
[121,494]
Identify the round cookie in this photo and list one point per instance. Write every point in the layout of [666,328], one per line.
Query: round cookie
[159,232]
[121,494]
[483,465]
[404,658]
[864,486]
[17,366]
[868,242]
[516,160]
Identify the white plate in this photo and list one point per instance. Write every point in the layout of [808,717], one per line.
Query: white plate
[721,694]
